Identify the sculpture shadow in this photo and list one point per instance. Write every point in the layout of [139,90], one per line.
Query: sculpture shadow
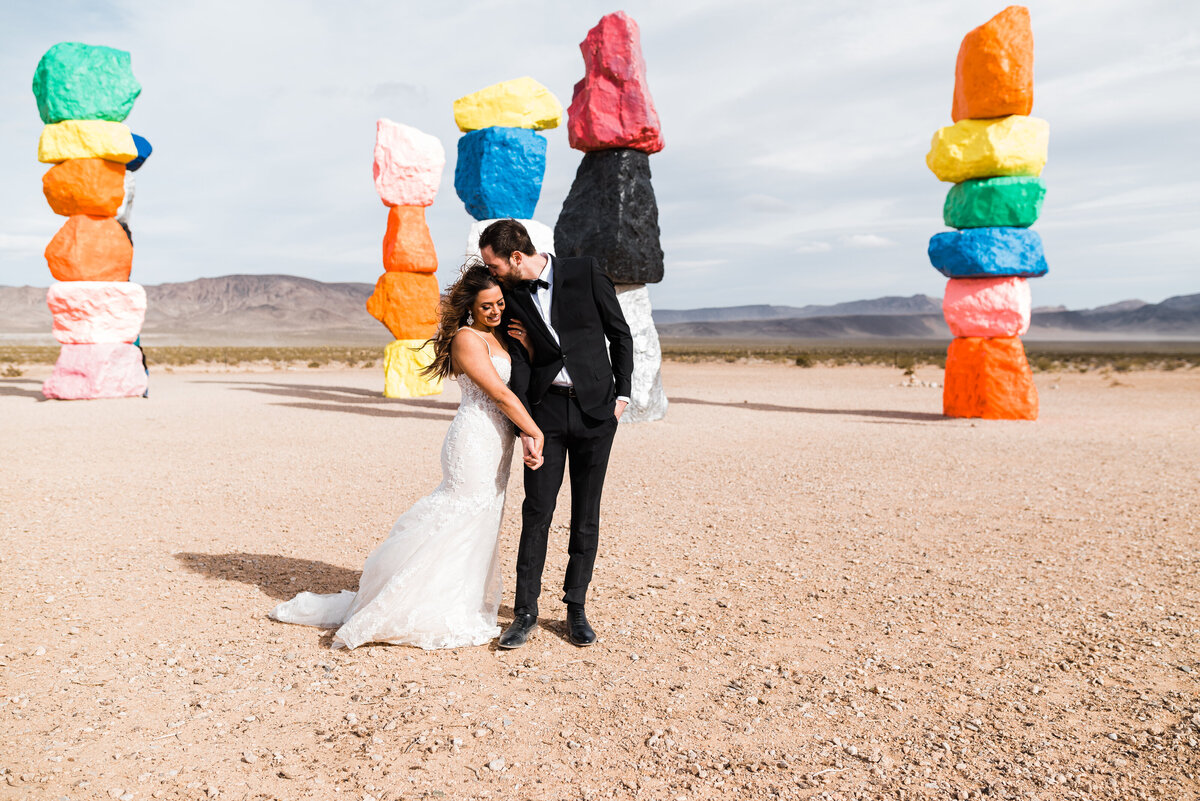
[277,576]
[8,387]
[348,400]
[886,414]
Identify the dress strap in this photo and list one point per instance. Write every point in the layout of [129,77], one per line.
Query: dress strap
[481,336]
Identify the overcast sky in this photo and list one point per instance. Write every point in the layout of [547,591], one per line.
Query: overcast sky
[794,169]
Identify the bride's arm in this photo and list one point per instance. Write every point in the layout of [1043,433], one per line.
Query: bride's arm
[469,355]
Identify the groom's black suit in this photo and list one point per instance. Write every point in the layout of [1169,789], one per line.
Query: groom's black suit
[596,348]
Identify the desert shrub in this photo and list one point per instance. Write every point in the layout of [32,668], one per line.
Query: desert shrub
[804,360]
[12,371]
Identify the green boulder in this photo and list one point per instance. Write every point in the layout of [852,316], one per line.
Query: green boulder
[1012,201]
[76,81]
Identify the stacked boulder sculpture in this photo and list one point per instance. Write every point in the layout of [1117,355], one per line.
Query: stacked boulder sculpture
[610,211]
[84,93]
[502,157]
[408,170]
[994,154]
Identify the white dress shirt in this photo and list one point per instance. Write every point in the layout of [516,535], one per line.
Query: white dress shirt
[542,299]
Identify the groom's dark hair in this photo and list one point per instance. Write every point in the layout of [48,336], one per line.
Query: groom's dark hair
[506,237]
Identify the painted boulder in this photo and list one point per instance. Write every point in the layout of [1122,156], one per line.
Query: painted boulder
[85,186]
[407,244]
[144,149]
[988,253]
[90,249]
[1012,201]
[611,214]
[519,103]
[969,149]
[989,378]
[86,139]
[408,164]
[89,372]
[499,172]
[542,236]
[407,303]
[403,361]
[611,106]
[75,81]
[987,307]
[647,400]
[994,73]
[96,312]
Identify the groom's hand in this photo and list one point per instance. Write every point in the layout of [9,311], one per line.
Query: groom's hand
[531,452]
[620,409]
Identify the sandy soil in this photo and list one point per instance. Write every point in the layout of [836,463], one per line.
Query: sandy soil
[810,585]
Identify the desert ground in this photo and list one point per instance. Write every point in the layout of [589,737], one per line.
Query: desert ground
[810,585]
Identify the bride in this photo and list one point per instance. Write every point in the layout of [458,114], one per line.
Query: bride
[435,581]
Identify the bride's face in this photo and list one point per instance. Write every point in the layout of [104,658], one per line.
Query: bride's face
[488,306]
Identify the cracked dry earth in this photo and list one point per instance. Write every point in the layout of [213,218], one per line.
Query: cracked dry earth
[810,586]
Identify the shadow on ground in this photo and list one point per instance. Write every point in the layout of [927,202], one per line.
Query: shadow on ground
[278,576]
[772,407]
[8,386]
[348,400]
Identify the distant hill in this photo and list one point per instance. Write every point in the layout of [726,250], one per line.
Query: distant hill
[274,310]
[230,310]
[917,304]
[1175,318]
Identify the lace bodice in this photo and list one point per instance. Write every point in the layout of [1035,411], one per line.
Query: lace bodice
[474,397]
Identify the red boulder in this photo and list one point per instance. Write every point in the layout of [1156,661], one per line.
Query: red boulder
[611,106]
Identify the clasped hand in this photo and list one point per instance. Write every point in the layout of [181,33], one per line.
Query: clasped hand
[531,451]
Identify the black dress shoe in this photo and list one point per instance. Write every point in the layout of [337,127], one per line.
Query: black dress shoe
[578,630]
[518,632]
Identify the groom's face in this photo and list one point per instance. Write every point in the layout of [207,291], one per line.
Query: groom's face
[506,271]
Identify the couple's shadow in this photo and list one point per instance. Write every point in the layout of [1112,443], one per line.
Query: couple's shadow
[281,577]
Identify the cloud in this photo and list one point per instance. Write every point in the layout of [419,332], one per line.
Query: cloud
[812,247]
[867,241]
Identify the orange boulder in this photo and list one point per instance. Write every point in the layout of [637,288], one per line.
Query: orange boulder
[994,74]
[85,186]
[407,303]
[90,248]
[989,378]
[407,245]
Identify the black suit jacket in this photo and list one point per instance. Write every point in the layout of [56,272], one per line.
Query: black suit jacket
[594,341]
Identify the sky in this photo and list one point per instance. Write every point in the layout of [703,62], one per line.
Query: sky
[794,169]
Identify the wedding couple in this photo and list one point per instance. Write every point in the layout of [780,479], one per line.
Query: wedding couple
[538,343]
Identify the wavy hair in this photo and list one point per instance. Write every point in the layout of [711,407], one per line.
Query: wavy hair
[453,308]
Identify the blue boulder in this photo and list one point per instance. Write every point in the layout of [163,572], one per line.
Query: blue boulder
[499,172]
[144,150]
[988,253]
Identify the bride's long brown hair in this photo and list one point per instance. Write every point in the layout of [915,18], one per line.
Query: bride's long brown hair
[453,309]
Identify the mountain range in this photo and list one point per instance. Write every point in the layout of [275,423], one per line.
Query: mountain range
[276,310]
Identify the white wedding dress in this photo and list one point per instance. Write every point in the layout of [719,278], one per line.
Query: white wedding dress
[435,581]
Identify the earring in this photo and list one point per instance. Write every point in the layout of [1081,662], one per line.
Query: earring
[470,319]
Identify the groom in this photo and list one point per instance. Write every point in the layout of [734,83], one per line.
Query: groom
[576,385]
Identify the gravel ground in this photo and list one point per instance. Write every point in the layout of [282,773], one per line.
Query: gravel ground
[810,586]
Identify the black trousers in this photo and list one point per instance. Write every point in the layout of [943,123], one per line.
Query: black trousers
[585,443]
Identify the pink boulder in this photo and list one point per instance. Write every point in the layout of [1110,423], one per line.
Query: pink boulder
[96,312]
[611,106]
[408,164]
[87,372]
[987,307]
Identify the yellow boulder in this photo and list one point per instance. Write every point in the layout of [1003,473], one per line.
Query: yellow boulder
[519,103]
[968,149]
[403,361]
[86,139]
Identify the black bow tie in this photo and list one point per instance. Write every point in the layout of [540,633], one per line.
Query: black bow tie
[535,284]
